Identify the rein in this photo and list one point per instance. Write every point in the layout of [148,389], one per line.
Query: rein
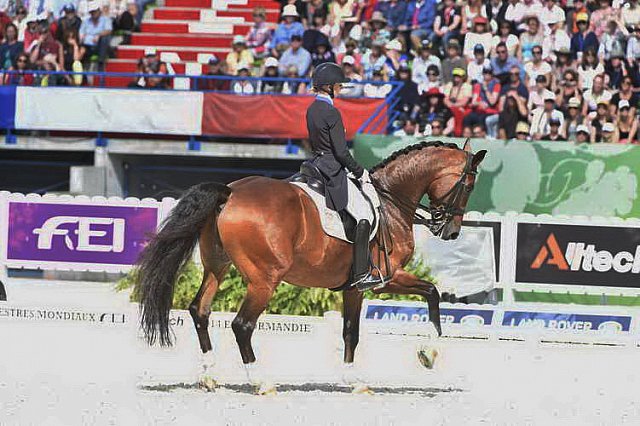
[441,210]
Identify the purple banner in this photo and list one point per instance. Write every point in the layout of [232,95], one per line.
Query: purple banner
[79,233]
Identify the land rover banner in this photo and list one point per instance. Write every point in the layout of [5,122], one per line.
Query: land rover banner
[576,254]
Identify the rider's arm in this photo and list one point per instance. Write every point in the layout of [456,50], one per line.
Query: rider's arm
[339,144]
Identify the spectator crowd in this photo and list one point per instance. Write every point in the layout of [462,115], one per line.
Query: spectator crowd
[524,69]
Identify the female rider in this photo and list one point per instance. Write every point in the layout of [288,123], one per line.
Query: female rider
[332,158]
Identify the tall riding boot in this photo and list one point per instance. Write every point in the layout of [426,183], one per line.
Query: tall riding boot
[362,277]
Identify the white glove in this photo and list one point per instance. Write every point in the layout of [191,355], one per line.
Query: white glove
[365,177]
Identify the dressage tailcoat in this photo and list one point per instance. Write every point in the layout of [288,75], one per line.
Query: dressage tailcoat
[328,141]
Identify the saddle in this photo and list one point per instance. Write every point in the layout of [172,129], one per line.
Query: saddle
[338,224]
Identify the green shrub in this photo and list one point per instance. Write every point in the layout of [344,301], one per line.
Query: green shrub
[287,299]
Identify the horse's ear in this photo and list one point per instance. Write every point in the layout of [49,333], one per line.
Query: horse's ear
[467,146]
[477,158]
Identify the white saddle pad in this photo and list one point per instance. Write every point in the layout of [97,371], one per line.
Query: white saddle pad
[358,206]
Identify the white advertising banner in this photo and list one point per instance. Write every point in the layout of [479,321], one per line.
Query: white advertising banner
[109,110]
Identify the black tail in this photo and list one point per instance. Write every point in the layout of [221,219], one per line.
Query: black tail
[162,260]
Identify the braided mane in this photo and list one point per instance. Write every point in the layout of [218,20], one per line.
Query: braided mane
[411,148]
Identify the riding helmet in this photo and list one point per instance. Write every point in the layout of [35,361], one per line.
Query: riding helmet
[328,73]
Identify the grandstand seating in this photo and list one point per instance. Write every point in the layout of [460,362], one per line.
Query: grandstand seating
[187,32]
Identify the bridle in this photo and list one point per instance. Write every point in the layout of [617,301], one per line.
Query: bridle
[442,210]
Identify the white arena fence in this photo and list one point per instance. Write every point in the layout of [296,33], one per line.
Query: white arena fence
[512,251]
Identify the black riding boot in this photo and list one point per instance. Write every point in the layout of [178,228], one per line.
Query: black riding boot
[362,277]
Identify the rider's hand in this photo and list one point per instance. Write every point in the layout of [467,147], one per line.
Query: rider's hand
[365,177]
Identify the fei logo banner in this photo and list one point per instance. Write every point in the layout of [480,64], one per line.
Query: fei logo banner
[566,321]
[415,313]
[77,233]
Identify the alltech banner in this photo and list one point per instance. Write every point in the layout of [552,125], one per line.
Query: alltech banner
[592,255]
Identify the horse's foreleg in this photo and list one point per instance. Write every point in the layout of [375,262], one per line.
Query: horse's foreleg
[403,282]
[351,306]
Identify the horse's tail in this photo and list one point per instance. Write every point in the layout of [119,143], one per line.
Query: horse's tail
[168,252]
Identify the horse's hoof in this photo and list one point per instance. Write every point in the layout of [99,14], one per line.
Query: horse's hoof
[267,389]
[208,383]
[361,389]
[427,357]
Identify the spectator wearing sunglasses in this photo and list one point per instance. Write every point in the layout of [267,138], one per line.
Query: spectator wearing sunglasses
[537,67]
[22,75]
[584,39]
[433,80]
[625,93]
[502,64]
[423,62]
[70,21]
[259,35]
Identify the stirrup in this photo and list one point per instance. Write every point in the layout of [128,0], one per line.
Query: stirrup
[371,282]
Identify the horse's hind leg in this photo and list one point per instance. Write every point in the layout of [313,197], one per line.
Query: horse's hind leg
[243,325]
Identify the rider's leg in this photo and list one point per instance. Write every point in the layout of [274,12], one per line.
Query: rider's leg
[361,258]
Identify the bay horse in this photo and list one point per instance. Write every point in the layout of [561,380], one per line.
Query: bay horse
[271,231]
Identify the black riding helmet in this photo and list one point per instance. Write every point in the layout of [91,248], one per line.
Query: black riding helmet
[328,73]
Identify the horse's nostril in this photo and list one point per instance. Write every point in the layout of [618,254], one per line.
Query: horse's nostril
[454,236]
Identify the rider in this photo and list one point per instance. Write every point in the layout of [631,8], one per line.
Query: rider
[331,155]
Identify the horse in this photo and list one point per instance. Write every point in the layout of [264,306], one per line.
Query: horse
[271,231]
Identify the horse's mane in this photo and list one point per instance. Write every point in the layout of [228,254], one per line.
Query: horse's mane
[411,148]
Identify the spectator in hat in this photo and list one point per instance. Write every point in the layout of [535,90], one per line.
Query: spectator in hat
[239,54]
[457,96]
[45,45]
[505,35]
[378,88]
[573,120]
[541,117]
[582,134]
[95,34]
[521,131]
[297,56]
[215,68]
[378,30]
[607,135]
[626,127]
[422,62]
[323,53]
[588,69]
[579,7]
[503,64]
[601,17]
[536,67]
[259,35]
[538,93]
[70,21]
[554,41]
[31,32]
[584,38]
[372,59]
[595,95]
[533,36]
[626,93]
[434,109]
[484,101]
[271,65]
[394,57]
[288,28]
[613,40]
[433,80]
[475,67]
[598,119]
[630,13]
[552,14]
[481,35]
[10,48]
[244,86]
[447,24]
[554,131]
[453,60]
[354,89]
[421,15]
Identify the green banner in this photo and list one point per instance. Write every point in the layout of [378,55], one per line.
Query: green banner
[540,177]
